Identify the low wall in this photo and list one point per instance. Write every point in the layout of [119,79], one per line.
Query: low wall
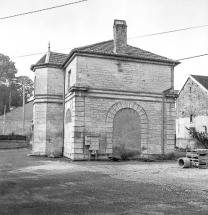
[13,144]
[188,143]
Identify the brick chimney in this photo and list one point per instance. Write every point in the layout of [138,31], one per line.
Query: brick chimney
[120,36]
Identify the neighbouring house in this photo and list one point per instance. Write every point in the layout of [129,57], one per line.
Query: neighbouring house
[192,110]
[106,98]
[14,120]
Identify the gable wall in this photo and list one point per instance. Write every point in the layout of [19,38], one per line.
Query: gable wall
[193,100]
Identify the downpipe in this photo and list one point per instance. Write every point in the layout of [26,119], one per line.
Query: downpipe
[63,115]
[163,121]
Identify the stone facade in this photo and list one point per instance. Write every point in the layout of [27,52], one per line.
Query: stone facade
[117,99]
[48,111]
[191,112]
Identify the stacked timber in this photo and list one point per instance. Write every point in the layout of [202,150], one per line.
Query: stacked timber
[198,158]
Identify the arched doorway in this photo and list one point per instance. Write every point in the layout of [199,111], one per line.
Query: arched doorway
[127,133]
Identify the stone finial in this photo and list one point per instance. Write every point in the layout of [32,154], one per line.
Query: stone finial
[49,47]
[48,54]
[120,36]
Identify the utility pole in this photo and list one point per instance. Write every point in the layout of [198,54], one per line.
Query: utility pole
[10,98]
[23,107]
[4,118]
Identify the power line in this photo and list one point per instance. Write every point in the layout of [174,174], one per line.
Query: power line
[49,8]
[166,32]
[30,54]
[130,38]
[72,48]
[192,57]
[40,53]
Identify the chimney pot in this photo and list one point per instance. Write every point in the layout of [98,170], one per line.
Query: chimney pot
[120,36]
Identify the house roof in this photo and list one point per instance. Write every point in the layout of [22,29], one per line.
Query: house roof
[102,48]
[200,80]
[107,47]
[203,80]
[54,58]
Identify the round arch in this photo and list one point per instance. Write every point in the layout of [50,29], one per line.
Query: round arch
[144,121]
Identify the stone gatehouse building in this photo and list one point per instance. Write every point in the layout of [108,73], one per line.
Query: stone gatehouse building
[106,98]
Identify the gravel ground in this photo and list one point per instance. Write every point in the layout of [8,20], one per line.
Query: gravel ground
[37,185]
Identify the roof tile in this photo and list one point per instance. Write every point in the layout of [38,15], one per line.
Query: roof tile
[203,80]
[55,58]
[105,47]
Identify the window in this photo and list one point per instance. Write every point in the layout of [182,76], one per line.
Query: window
[68,117]
[191,118]
[69,79]
[34,85]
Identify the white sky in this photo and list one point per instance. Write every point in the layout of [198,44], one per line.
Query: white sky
[92,21]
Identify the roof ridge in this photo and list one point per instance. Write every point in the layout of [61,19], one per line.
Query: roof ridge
[58,53]
[88,46]
[200,75]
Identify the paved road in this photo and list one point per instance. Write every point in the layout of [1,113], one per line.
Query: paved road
[33,185]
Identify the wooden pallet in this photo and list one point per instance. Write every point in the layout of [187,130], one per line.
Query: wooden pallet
[197,164]
[197,151]
[198,158]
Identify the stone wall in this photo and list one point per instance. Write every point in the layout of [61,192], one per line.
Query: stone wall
[13,144]
[71,75]
[193,100]
[114,85]
[95,123]
[68,126]
[122,75]
[48,111]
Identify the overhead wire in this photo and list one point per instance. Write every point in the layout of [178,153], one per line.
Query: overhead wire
[147,35]
[193,57]
[166,32]
[35,11]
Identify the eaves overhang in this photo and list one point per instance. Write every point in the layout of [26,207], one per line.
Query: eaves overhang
[43,65]
[123,56]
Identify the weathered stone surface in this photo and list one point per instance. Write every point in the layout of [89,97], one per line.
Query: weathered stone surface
[96,90]
[192,102]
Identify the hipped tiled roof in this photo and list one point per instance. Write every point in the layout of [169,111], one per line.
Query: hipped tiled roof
[104,48]
[54,58]
[108,46]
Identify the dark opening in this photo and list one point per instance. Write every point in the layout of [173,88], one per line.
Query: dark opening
[191,118]
[181,162]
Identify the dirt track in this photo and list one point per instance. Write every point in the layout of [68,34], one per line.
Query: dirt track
[32,185]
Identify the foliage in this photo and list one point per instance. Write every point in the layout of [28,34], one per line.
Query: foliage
[7,69]
[4,95]
[202,137]
[29,87]
[12,84]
